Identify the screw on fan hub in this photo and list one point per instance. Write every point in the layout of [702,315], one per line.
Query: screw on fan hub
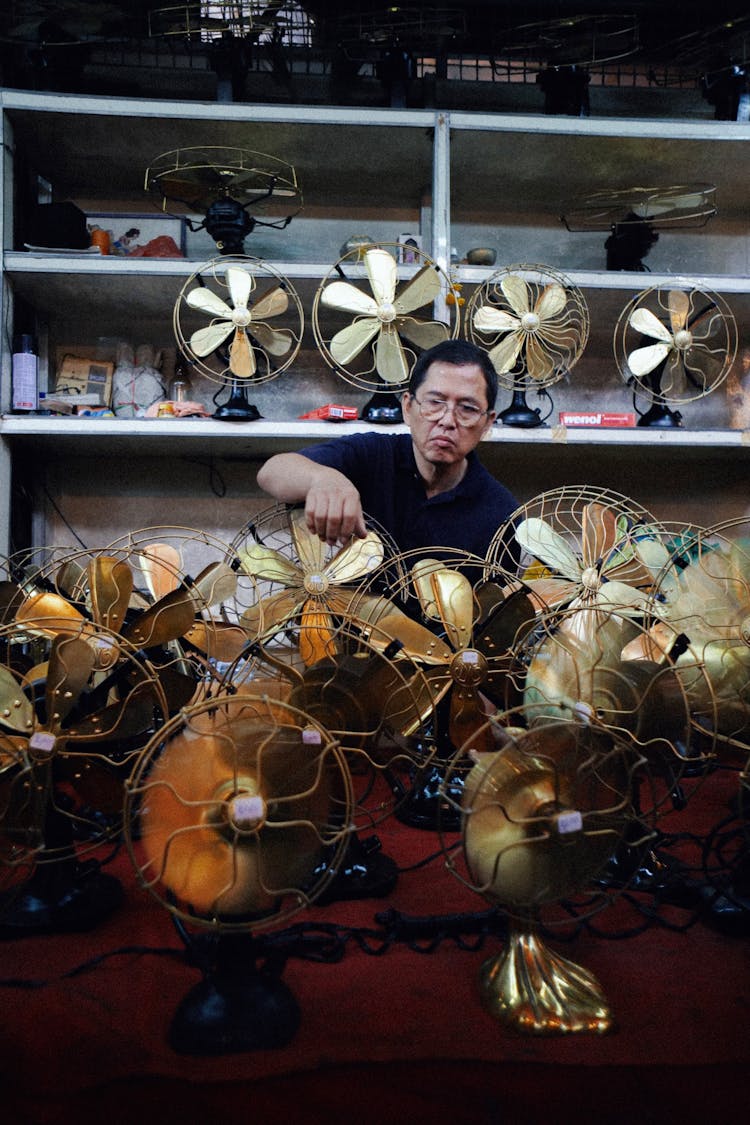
[386,312]
[683,339]
[316,583]
[468,668]
[246,812]
[241,318]
[590,578]
[745,630]
[530,322]
[42,745]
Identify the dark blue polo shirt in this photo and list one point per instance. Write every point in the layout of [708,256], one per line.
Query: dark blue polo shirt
[383,470]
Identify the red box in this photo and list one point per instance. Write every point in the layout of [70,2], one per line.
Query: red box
[332,412]
[599,418]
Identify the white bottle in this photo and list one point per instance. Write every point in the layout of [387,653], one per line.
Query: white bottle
[25,375]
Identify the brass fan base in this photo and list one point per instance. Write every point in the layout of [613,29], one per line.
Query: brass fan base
[65,897]
[534,991]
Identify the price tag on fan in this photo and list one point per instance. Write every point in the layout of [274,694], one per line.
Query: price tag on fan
[568,822]
[311,736]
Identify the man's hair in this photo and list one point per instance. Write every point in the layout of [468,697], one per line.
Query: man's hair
[461,353]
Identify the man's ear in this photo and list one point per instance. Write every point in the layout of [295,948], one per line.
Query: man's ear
[405,403]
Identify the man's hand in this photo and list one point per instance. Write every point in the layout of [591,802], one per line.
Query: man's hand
[333,510]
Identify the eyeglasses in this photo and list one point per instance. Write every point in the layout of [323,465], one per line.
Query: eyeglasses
[432,408]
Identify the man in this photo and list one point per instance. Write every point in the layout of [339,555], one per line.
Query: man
[425,488]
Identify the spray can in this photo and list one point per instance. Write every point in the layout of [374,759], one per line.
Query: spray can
[25,366]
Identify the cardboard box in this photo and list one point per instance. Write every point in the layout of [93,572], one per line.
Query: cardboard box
[78,375]
[603,419]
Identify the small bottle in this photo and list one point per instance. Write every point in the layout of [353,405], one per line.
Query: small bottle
[25,366]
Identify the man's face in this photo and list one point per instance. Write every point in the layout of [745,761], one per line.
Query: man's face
[443,441]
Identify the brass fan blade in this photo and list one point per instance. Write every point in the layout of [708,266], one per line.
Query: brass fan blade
[382,272]
[215,583]
[160,563]
[269,565]
[467,724]
[423,288]
[136,713]
[97,784]
[50,614]
[446,596]
[505,617]
[517,293]
[273,303]
[205,300]
[16,709]
[240,283]
[679,307]
[703,366]
[218,640]
[516,848]
[350,341]
[644,360]
[390,357]
[504,355]
[272,340]
[645,322]
[111,586]
[208,339]
[71,663]
[164,621]
[425,334]
[542,542]
[241,356]
[599,532]
[417,642]
[70,577]
[551,301]
[309,547]
[539,363]
[356,559]
[345,297]
[271,613]
[489,319]
[316,633]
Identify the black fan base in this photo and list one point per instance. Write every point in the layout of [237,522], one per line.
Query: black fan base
[524,416]
[661,417]
[242,1008]
[237,409]
[651,871]
[431,803]
[60,899]
[727,910]
[365,872]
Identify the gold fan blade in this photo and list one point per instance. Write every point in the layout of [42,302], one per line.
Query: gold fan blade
[111,586]
[16,709]
[240,284]
[423,288]
[543,815]
[71,663]
[241,356]
[504,355]
[645,322]
[539,363]
[70,577]
[218,640]
[551,301]
[269,565]
[272,340]
[271,613]
[516,293]
[208,339]
[215,583]
[345,297]
[703,365]
[390,358]
[273,303]
[309,547]
[205,300]
[542,542]
[599,532]
[382,272]
[467,723]
[679,307]
[50,614]
[350,341]
[489,319]
[446,596]
[356,559]
[164,621]
[505,617]
[316,632]
[160,563]
[644,360]
[425,334]
[126,718]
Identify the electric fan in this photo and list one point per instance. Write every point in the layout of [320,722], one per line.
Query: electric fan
[534,325]
[670,207]
[238,346]
[673,347]
[395,312]
[237,812]
[225,183]
[541,815]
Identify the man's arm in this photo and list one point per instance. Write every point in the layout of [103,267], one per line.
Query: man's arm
[333,509]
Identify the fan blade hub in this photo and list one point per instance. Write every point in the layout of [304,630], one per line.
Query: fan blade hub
[530,322]
[683,339]
[316,583]
[246,812]
[241,317]
[469,668]
[386,312]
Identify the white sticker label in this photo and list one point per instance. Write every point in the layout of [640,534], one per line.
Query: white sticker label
[569,822]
